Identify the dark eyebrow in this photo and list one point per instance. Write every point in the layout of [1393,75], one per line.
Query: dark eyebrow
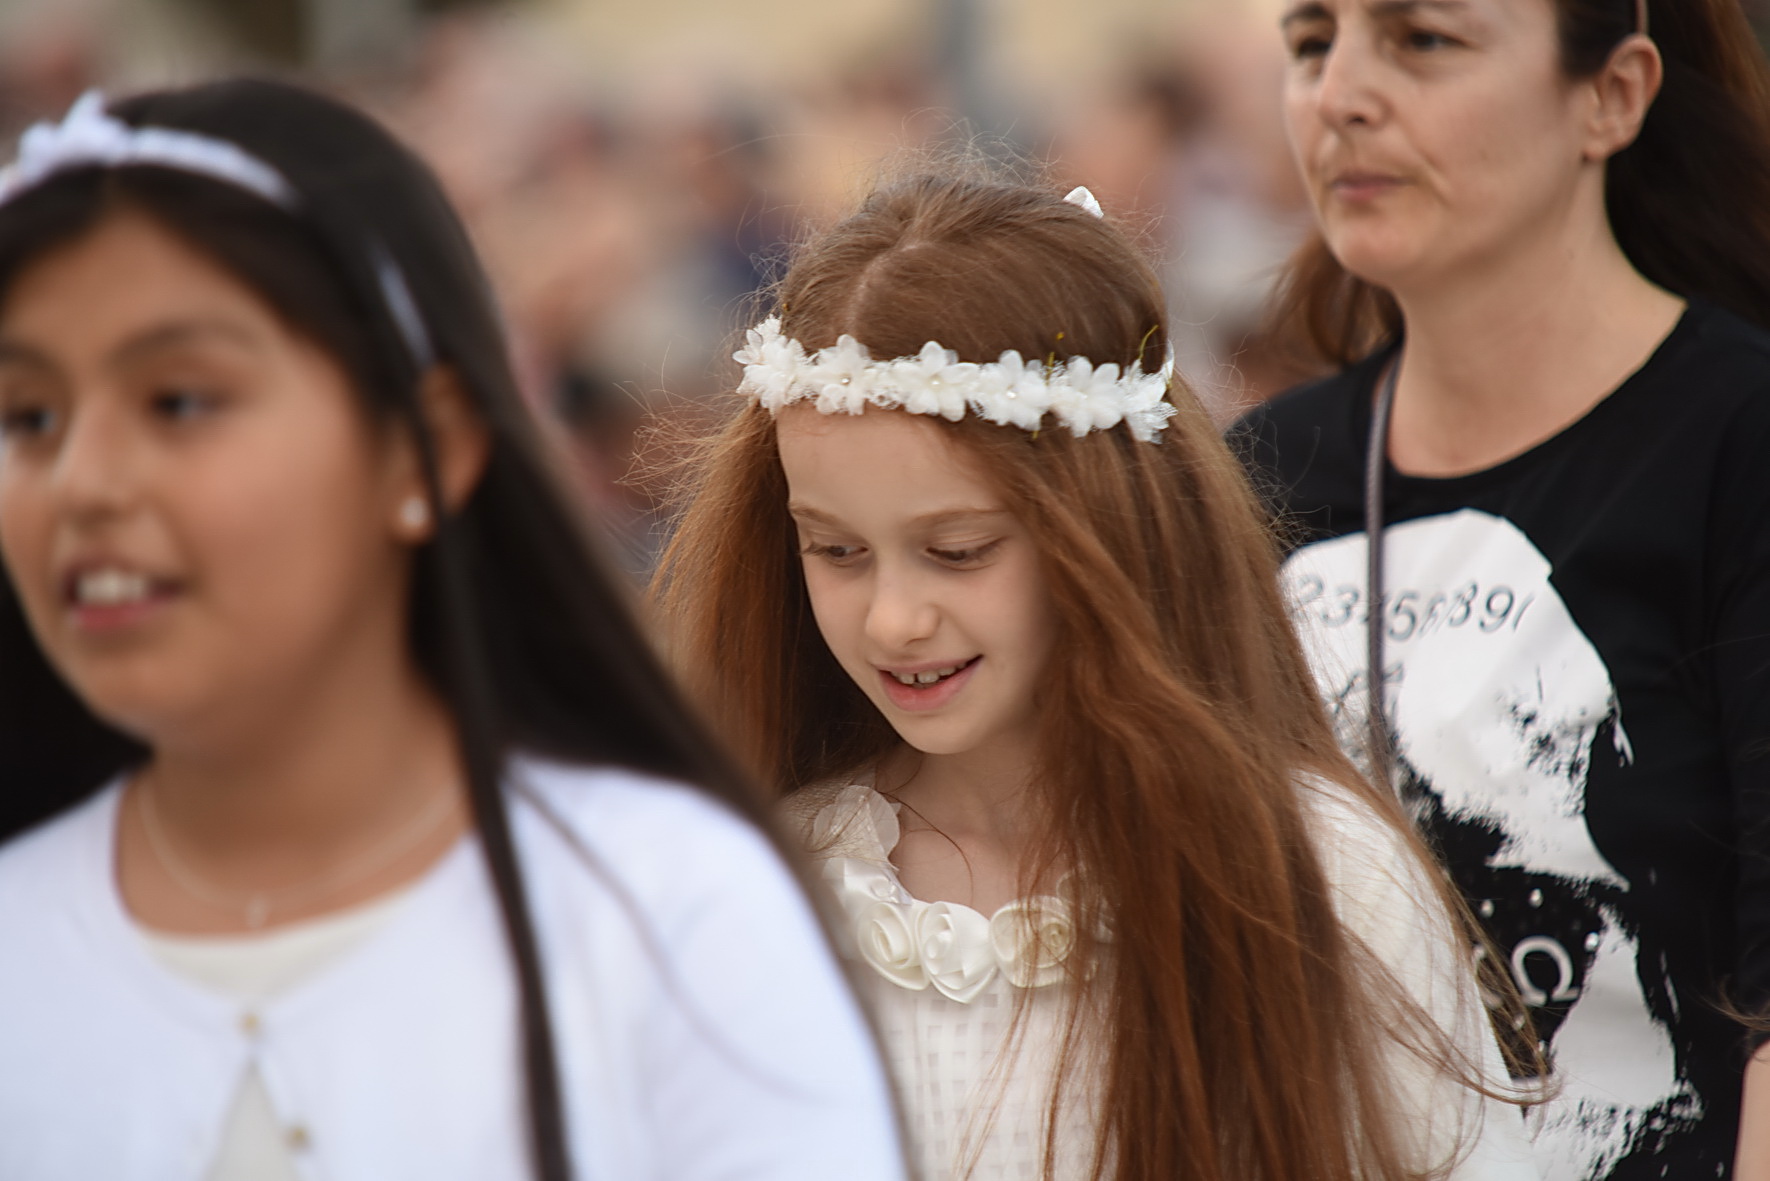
[1312,11]
[1315,10]
[1392,8]
[13,352]
[168,336]
[164,336]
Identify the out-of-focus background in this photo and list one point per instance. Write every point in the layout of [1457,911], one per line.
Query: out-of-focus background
[635,171]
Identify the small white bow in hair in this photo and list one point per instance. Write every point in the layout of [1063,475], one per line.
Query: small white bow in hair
[1081,196]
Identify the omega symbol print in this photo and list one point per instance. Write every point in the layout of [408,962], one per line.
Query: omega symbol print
[1498,703]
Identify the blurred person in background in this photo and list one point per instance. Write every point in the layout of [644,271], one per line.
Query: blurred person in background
[1189,146]
[624,234]
[1533,509]
[350,827]
[48,58]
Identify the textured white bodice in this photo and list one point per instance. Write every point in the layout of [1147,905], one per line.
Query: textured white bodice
[944,981]
[976,1084]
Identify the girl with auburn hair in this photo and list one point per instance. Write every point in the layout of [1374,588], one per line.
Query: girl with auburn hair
[1534,508]
[979,589]
[349,826]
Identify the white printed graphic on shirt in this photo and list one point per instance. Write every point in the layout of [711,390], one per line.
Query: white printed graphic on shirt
[1497,702]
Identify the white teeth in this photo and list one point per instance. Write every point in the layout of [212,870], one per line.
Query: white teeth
[927,678]
[110,588]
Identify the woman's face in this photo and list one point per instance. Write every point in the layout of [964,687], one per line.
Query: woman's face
[199,521]
[1438,137]
[927,590]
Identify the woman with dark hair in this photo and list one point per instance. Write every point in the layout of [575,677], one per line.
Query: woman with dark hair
[350,827]
[1532,508]
[980,590]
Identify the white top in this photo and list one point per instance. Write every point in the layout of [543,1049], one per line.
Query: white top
[944,982]
[703,1028]
[257,965]
[252,968]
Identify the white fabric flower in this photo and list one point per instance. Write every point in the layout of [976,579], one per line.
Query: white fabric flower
[955,947]
[886,932]
[934,381]
[770,362]
[1087,397]
[1146,407]
[755,344]
[1032,394]
[1032,938]
[858,884]
[1009,392]
[838,377]
[859,822]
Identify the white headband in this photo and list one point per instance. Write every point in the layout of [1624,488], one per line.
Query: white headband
[844,379]
[91,137]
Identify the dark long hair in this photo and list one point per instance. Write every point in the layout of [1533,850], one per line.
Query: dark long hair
[528,640]
[1688,200]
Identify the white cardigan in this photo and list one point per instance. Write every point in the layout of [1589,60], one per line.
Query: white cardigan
[741,1056]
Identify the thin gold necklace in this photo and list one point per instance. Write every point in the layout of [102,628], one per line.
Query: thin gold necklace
[256,906]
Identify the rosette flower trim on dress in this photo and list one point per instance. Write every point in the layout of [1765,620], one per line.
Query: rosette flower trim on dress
[1009,391]
[946,946]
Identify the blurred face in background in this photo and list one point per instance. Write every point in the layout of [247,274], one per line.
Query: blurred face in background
[1438,137]
[197,516]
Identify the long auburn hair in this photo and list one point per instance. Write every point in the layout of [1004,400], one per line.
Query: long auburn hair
[1688,200]
[1235,1018]
[515,622]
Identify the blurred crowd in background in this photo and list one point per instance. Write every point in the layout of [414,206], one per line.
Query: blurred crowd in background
[635,172]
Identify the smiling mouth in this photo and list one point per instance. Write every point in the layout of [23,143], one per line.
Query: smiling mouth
[109,587]
[922,680]
[911,693]
[109,596]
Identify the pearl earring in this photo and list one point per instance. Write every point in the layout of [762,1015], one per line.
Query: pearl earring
[414,514]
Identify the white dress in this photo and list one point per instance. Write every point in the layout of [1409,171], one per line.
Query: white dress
[944,981]
[944,985]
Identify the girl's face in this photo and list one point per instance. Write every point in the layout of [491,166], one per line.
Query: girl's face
[198,519]
[1435,136]
[927,590]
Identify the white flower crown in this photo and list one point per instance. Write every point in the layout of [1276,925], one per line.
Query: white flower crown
[844,379]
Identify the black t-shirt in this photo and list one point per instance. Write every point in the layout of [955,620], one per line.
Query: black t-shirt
[1577,672]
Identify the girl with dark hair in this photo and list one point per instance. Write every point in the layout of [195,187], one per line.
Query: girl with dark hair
[350,828]
[1001,621]
[1532,508]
